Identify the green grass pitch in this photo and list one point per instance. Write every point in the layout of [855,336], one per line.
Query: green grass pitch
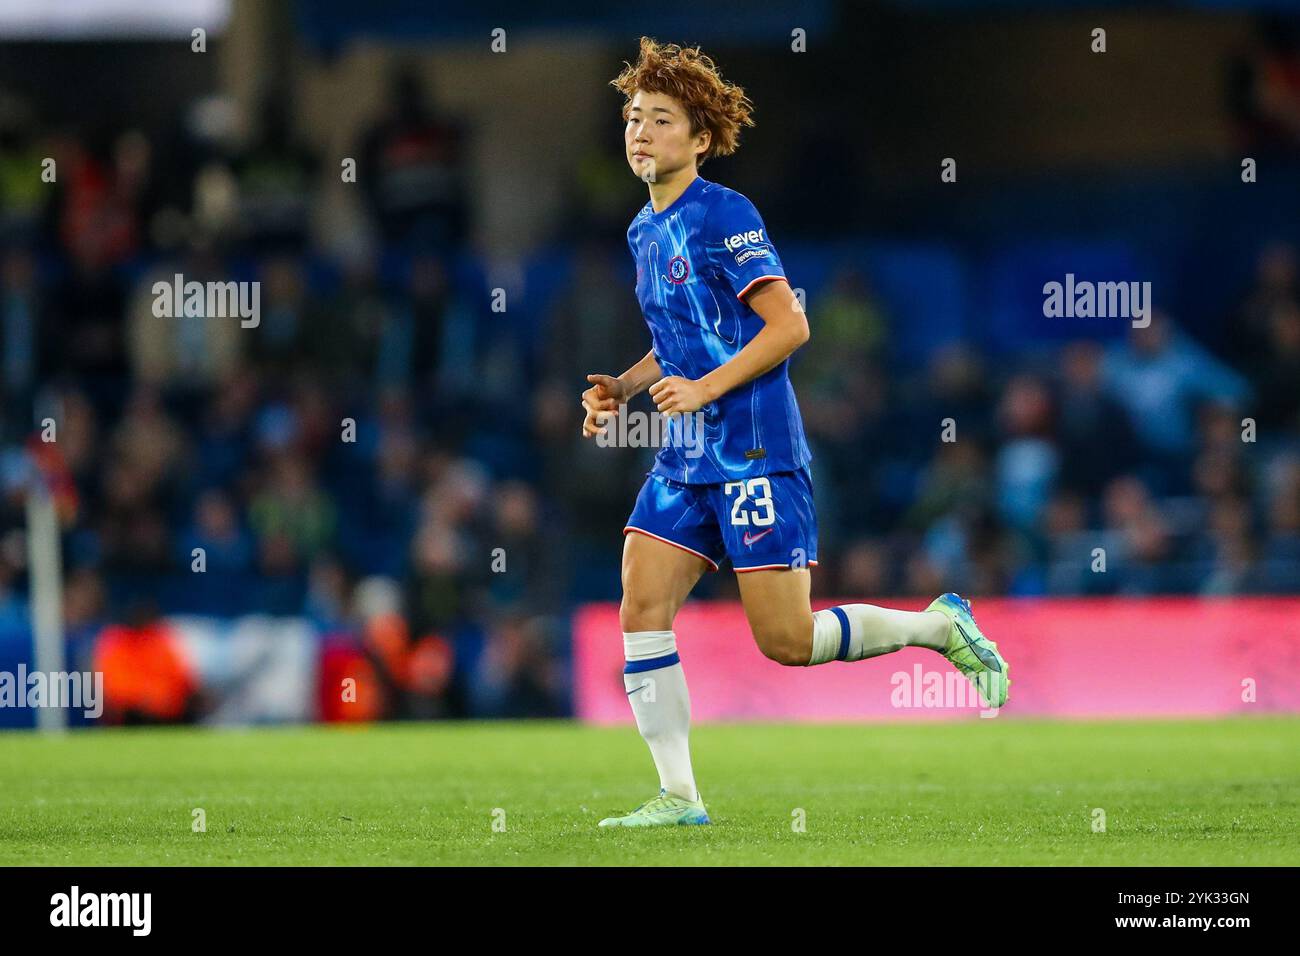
[977,792]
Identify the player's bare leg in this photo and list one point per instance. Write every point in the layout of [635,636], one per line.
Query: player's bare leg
[657,578]
[779,613]
[789,632]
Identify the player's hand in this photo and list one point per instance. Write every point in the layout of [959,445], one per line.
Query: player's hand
[600,401]
[678,396]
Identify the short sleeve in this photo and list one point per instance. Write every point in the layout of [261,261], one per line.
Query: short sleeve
[738,246]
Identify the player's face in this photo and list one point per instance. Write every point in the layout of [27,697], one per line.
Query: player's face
[657,137]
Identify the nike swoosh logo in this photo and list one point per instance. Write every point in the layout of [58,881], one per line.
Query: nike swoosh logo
[750,538]
[986,656]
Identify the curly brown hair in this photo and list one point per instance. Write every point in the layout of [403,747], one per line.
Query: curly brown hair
[691,78]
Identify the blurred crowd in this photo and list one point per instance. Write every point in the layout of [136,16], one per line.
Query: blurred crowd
[1145,466]
[387,456]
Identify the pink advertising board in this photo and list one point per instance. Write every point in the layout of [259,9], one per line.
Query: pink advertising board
[1072,658]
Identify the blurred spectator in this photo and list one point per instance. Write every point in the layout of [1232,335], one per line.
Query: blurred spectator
[449,561]
[291,515]
[1161,377]
[23,197]
[866,570]
[1135,538]
[1028,461]
[1265,87]
[13,609]
[147,679]
[414,672]
[955,481]
[23,328]
[851,328]
[519,676]
[84,607]
[216,529]
[1070,546]
[288,316]
[1235,551]
[1281,548]
[186,352]
[101,197]
[1275,287]
[276,179]
[413,169]
[1097,441]
[1277,378]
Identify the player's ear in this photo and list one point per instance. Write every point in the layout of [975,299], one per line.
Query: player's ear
[705,138]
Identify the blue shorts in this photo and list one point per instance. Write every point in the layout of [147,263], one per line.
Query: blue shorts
[760,523]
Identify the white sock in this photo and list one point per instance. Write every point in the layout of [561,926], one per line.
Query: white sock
[656,689]
[854,632]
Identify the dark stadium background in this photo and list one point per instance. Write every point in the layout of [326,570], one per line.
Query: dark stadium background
[481,170]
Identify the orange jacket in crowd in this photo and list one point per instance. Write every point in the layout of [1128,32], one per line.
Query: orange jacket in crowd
[146,675]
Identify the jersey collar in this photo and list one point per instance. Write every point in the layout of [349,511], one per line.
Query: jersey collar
[696,185]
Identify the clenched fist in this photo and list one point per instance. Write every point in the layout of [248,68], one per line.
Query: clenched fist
[599,401]
[675,395]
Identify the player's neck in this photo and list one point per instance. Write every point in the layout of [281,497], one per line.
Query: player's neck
[665,192]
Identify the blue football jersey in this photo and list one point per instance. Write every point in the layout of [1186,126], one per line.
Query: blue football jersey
[695,263]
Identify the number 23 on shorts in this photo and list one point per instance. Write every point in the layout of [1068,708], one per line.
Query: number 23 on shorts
[758,491]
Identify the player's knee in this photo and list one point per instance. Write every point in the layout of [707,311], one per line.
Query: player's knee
[789,646]
[644,614]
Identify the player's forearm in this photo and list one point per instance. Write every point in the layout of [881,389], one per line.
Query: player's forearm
[773,344]
[641,375]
